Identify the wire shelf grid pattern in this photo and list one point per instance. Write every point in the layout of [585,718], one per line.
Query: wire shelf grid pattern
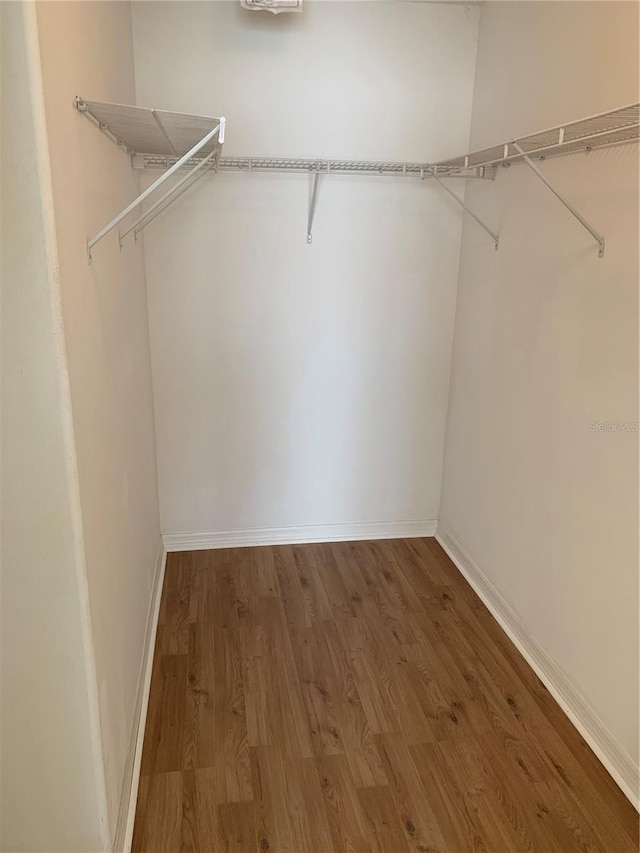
[156,139]
[616,127]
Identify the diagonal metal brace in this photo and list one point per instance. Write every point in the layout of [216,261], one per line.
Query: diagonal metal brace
[218,129]
[597,237]
[175,191]
[156,210]
[312,205]
[492,234]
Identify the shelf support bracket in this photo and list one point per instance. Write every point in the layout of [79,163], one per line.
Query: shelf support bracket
[312,205]
[218,129]
[175,191]
[495,237]
[596,236]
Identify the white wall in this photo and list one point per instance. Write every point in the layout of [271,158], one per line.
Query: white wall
[295,384]
[50,769]
[546,343]
[86,50]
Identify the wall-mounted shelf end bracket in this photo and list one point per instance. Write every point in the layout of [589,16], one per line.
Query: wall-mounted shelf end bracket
[495,237]
[596,236]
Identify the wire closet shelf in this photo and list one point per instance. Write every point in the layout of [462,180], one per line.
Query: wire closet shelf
[157,139]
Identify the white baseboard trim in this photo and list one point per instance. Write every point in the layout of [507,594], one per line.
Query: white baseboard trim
[618,763]
[129,795]
[252,537]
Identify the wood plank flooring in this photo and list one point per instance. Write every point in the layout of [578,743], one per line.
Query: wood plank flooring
[355,698]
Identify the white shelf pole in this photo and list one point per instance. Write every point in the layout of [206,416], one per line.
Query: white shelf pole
[597,237]
[312,205]
[219,128]
[167,195]
[496,237]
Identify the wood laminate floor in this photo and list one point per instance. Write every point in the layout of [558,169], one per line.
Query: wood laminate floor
[350,698]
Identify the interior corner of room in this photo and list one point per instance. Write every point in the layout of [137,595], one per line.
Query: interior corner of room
[365,272]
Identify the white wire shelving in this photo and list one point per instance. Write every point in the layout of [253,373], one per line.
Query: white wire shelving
[318,168]
[382,168]
[617,127]
[159,132]
[173,141]
[605,130]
